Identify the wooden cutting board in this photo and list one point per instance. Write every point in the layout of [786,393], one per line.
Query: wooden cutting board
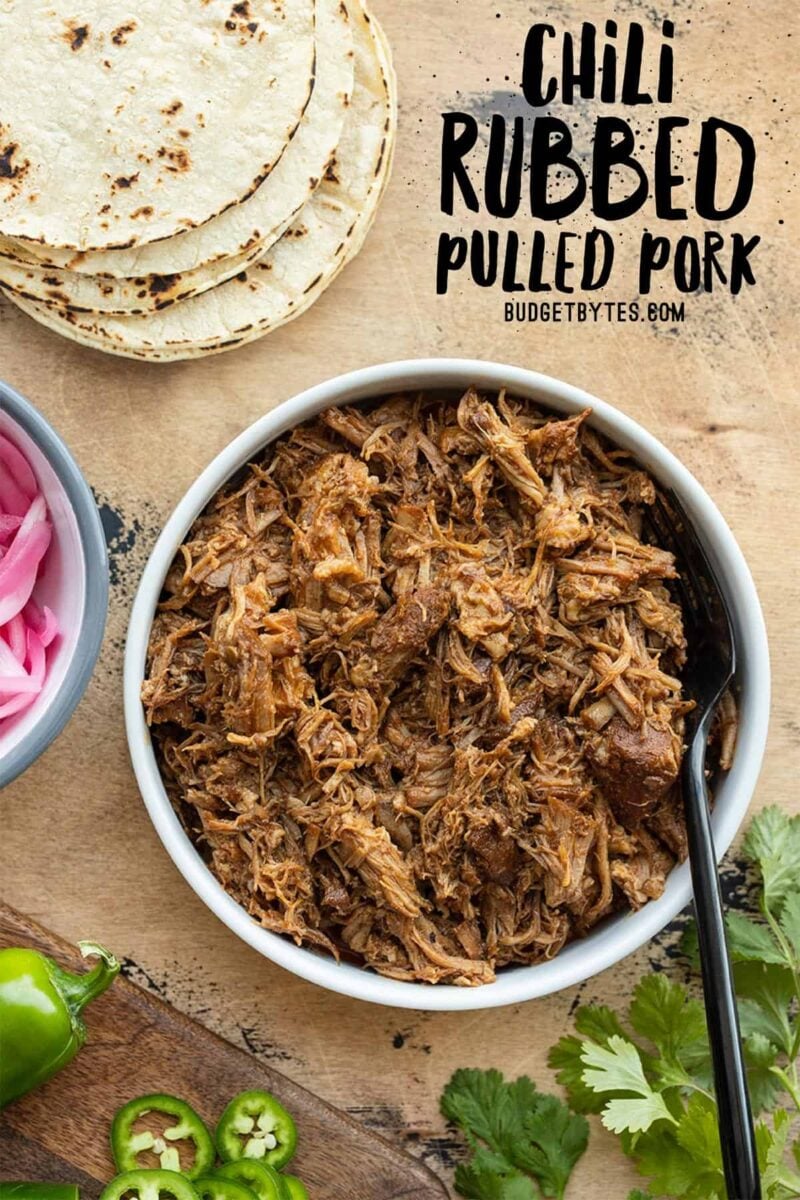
[137,1044]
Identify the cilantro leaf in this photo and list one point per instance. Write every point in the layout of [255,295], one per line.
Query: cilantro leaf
[698,1135]
[668,1166]
[525,1143]
[598,1022]
[749,941]
[480,1102]
[773,843]
[617,1067]
[557,1139]
[765,992]
[779,1179]
[636,1114]
[764,1139]
[796,1151]
[565,1059]
[698,1132]
[759,1057]
[665,1014]
[790,923]
[688,944]
[483,1178]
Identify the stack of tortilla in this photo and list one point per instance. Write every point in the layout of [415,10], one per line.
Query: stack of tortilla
[180,181]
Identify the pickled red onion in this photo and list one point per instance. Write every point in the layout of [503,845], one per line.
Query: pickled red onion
[25,630]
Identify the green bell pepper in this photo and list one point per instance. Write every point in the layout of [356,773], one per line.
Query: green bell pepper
[132,1135]
[255,1125]
[295,1188]
[40,1014]
[149,1185]
[262,1179]
[39,1191]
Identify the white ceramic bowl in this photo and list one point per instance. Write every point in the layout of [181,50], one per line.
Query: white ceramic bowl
[611,940]
[73,582]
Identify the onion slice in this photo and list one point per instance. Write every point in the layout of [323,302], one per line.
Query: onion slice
[20,564]
[34,681]
[26,630]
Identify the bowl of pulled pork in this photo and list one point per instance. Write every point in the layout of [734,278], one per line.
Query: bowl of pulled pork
[404,688]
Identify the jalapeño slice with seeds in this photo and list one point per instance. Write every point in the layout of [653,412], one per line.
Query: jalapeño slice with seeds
[255,1125]
[166,1127]
[149,1185]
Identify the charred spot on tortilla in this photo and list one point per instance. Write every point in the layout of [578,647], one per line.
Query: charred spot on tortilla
[380,158]
[145,211]
[171,109]
[177,158]
[162,283]
[123,181]
[11,167]
[119,36]
[75,35]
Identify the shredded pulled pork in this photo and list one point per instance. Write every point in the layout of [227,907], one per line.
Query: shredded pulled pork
[415,686]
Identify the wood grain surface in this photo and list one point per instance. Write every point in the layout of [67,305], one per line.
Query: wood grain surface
[139,1045]
[77,849]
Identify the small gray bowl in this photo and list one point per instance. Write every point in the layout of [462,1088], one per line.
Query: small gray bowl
[73,582]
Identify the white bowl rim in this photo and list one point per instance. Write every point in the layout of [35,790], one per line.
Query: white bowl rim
[621,935]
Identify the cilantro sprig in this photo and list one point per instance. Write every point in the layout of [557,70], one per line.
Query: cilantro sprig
[649,1075]
[524,1143]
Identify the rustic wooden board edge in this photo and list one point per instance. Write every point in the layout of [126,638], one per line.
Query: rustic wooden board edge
[414,1179]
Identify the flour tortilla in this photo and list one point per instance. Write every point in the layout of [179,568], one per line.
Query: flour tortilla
[125,123]
[258,221]
[300,266]
[289,186]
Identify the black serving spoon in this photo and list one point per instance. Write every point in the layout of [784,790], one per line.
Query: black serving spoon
[709,671]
